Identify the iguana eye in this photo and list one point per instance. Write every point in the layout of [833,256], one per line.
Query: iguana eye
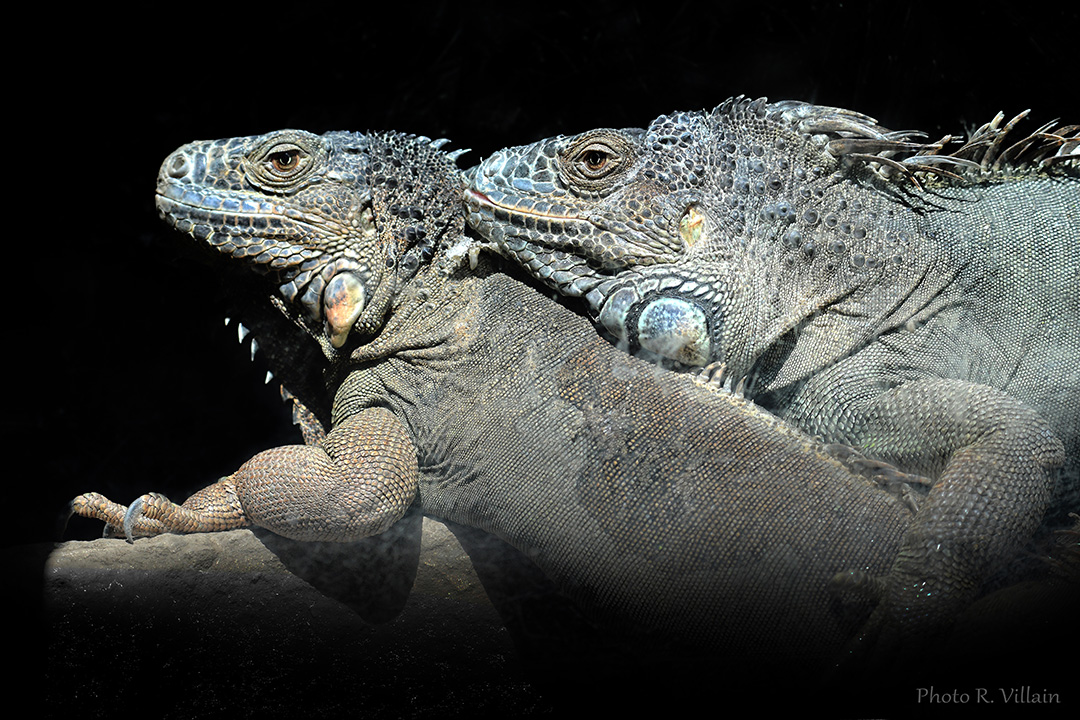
[589,162]
[285,161]
[596,161]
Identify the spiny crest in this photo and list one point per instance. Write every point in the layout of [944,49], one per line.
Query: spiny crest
[1045,147]
[990,150]
[417,196]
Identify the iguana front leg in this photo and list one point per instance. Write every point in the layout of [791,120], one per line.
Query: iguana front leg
[357,483]
[994,459]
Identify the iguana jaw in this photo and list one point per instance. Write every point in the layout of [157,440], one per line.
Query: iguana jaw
[571,252]
[224,220]
[570,273]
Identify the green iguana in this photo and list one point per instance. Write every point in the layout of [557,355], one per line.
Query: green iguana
[654,500]
[922,307]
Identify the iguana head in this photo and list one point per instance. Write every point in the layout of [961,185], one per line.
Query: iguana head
[607,214]
[577,211]
[606,196]
[341,222]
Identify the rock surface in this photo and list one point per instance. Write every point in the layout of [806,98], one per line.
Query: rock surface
[427,619]
[253,624]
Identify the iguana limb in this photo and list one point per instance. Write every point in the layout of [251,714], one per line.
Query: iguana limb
[360,481]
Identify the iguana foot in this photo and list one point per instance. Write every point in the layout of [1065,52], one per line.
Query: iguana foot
[881,644]
[211,509]
[860,583]
[98,507]
[715,376]
[889,477]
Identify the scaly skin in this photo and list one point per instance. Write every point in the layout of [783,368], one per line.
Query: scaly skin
[860,286]
[658,502]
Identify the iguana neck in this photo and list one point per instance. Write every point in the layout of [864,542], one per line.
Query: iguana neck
[431,310]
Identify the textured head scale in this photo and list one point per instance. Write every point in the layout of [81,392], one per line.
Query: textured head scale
[341,220]
[549,191]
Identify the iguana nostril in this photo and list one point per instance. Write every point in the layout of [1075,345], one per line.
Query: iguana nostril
[177,166]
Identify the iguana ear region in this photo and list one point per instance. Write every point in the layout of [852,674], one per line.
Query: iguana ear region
[691,226]
[343,300]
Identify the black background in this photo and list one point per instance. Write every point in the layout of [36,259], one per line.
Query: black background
[123,377]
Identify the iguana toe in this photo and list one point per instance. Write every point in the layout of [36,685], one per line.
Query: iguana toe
[132,516]
[114,515]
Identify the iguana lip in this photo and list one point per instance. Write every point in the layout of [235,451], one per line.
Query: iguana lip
[476,197]
[198,200]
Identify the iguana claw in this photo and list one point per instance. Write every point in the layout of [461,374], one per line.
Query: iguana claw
[133,514]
